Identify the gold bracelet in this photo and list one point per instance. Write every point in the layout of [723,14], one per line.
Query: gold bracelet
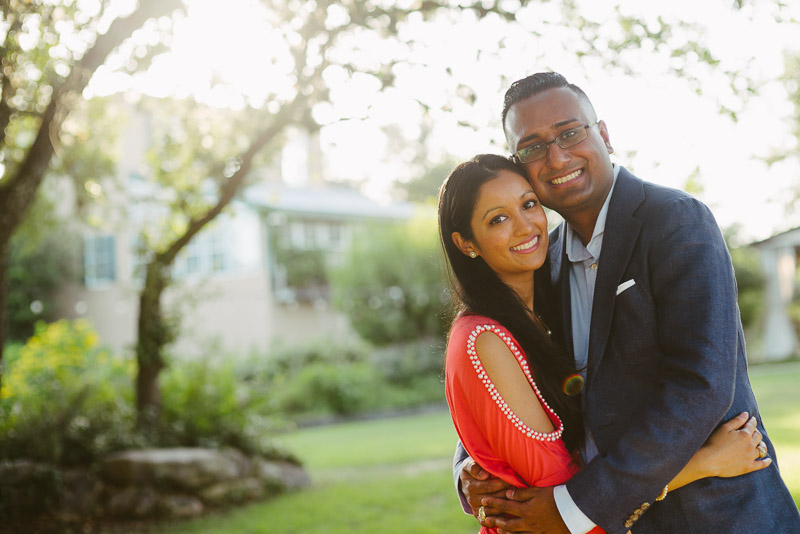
[663,493]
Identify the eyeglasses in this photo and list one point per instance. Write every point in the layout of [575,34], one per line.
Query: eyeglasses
[565,139]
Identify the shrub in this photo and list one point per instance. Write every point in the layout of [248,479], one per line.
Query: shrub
[750,284]
[210,404]
[350,378]
[42,256]
[284,360]
[402,364]
[390,284]
[65,400]
[330,388]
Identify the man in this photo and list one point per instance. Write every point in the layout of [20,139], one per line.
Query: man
[649,310]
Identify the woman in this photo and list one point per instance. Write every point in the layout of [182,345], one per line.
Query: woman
[510,388]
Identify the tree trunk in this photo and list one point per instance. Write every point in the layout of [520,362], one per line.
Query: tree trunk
[18,191]
[154,333]
[4,252]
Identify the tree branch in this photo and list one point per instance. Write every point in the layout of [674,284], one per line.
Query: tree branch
[229,187]
[6,72]
[20,189]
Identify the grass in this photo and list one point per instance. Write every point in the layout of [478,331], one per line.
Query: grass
[778,398]
[389,476]
[394,476]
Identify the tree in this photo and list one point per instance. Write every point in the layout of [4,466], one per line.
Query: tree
[325,44]
[50,51]
[791,80]
[42,256]
[199,184]
[317,41]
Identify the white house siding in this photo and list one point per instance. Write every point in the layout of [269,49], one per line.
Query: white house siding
[235,314]
[227,303]
[779,260]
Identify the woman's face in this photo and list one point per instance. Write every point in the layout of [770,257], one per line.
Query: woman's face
[509,228]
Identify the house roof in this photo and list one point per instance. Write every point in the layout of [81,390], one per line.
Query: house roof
[789,238]
[322,202]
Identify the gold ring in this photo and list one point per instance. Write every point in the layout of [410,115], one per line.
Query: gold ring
[762,450]
[481,514]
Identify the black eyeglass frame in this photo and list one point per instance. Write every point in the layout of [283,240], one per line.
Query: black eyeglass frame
[518,160]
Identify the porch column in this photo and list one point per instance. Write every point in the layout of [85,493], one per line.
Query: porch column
[780,340]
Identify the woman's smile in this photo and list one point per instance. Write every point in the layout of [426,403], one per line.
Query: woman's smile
[528,246]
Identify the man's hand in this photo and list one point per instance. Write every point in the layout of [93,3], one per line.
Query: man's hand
[531,510]
[477,484]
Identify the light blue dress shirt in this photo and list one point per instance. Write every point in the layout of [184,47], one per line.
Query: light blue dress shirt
[584,262]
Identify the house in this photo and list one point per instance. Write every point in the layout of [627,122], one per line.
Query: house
[251,278]
[779,258]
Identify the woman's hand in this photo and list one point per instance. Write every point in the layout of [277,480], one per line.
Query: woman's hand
[735,448]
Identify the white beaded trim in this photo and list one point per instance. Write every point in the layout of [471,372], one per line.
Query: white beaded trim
[476,363]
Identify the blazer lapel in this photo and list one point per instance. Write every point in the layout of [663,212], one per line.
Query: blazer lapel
[619,238]
[559,278]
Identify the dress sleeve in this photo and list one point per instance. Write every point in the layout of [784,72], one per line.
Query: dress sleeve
[492,433]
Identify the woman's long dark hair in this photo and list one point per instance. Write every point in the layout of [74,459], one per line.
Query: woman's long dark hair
[477,289]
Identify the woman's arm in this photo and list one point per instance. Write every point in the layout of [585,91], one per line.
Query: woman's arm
[732,450]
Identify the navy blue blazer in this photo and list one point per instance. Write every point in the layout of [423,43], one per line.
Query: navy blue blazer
[666,366]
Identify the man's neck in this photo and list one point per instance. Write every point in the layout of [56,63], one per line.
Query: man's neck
[583,224]
[583,219]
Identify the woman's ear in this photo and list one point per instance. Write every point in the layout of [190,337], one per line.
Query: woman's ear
[464,245]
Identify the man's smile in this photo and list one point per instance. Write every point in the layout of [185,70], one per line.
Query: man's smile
[567,178]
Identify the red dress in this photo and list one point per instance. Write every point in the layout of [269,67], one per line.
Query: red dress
[491,433]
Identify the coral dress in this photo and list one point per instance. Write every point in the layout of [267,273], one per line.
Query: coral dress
[491,433]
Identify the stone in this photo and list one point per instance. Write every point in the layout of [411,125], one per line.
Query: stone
[243,464]
[181,506]
[19,472]
[186,468]
[285,476]
[27,488]
[80,492]
[134,502]
[233,491]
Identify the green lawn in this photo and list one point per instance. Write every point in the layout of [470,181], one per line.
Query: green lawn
[394,476]
[779,399]
[388,476]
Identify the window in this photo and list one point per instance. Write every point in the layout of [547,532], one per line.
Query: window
[99,260]
[303,250]
[207,253]
[217,252]
[193,255]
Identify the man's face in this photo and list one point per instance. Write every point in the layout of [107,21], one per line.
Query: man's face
[572,181]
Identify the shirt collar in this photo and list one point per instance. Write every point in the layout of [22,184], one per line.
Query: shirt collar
[575,250]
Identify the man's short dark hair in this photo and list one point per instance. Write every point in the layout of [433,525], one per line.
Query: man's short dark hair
[535,84]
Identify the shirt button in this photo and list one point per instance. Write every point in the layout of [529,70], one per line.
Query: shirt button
[594,266]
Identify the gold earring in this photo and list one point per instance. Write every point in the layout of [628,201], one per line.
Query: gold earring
[473,255]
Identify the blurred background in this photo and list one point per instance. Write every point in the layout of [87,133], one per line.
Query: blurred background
[218,234]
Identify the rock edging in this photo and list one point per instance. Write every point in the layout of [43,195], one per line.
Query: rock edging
[145,484]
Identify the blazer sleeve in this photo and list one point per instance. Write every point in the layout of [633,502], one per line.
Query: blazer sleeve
[691,365]
[459,458]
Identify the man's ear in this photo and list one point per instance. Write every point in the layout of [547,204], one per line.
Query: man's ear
[606,138]
[464,245]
